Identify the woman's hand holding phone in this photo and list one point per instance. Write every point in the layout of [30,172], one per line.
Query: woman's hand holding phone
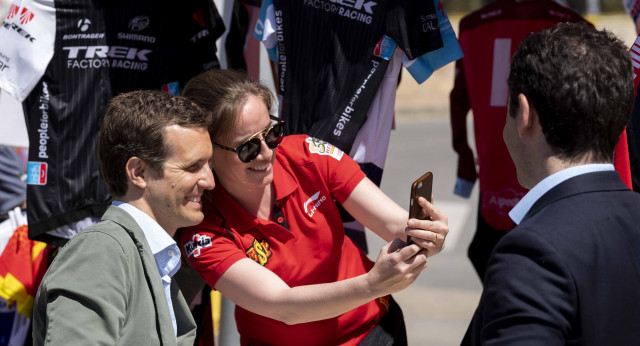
[427,225]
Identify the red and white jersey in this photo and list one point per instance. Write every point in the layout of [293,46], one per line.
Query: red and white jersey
[27,34]
[634,52]
[633,128]
[632,7]
[305,245]
[488,38]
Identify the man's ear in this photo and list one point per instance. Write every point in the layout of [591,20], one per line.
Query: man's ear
[136,172]
[527,116]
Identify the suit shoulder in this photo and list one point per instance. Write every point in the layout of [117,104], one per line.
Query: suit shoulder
[582,224]
[103,237]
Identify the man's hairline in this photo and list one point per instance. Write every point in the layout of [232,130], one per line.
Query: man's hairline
[201,126]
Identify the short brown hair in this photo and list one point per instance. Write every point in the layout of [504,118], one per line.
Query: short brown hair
[579,80]
[134,125]
[222,94]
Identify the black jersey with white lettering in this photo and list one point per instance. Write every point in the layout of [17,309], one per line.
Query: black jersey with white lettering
[332,55]
[103,48]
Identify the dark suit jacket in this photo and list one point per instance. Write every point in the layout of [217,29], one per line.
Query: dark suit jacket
[569,274]
[103,288]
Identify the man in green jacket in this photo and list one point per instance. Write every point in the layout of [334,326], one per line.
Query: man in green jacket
[112,283]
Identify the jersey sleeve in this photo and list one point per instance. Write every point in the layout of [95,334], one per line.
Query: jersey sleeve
[340,172]
[27,35]
[422,67]
[621,160]
[632,7]
[211,250]
[414,26]
[459,108]
[265,30]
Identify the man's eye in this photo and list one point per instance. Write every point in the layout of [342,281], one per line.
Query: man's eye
[193,168]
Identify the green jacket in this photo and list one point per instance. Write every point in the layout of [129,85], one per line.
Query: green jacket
[103,288]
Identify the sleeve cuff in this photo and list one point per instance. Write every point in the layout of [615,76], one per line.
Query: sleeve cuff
[463,187]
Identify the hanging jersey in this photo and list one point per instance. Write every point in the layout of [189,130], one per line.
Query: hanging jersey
[422,67]
[23,263]
[488,38]
[29,31]
[632,7]
[633,128]
[332,56]
[102,49]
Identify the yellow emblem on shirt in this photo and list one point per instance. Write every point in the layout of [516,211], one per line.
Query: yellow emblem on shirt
[260,251]
[384,301]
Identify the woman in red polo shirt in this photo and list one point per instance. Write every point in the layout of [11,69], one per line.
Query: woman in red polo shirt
[272,239]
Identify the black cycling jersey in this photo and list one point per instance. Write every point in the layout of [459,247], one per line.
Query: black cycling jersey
[103,48]
[332,55]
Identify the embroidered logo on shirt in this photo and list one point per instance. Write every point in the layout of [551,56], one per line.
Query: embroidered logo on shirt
[384,301]
[172,88]
[260,251]
[139,23]
[197,242]
[314,198]
[37,173]
[384,48]
[317,146]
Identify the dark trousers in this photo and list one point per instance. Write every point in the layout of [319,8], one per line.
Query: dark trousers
[482,245]
[390,331]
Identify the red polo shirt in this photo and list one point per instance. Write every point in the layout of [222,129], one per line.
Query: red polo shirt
[307,247]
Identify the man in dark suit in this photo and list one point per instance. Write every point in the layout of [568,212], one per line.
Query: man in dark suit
[112,283]
[569,273]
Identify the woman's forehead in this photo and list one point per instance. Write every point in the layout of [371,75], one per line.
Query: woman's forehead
[251,118]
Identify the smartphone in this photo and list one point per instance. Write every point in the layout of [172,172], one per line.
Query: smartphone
[420,188]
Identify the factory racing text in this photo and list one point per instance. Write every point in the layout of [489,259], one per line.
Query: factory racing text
[130,58]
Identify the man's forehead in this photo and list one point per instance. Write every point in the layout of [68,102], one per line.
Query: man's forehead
[180,138]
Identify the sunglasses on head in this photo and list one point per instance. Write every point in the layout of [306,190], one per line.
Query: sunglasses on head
[250,148]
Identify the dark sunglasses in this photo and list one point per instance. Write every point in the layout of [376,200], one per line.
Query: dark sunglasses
[250,148]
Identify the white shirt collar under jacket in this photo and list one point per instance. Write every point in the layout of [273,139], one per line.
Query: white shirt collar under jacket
[164,248]
[522,208]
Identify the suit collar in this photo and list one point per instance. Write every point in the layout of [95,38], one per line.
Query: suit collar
[589,182]
[154,282]
[520,210]
[156,236]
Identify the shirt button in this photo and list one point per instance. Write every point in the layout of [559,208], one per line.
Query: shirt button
[170,253]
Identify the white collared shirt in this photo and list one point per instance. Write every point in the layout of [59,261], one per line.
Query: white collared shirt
[522,208]
[164,249]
